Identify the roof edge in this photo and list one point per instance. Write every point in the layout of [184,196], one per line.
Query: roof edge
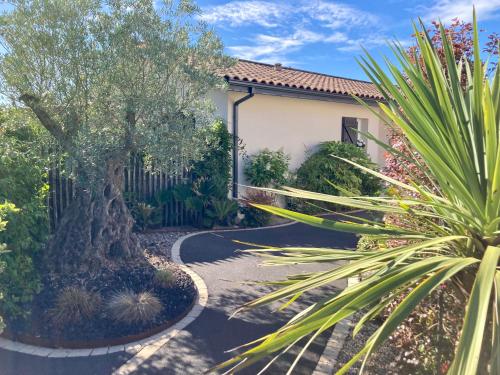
[306,71]
[266,89]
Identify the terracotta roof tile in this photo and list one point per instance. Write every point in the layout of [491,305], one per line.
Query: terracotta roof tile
[267,74]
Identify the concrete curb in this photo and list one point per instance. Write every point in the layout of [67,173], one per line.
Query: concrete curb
[138,348]
[145,348]
[142,348]
[144,353]
[335,343]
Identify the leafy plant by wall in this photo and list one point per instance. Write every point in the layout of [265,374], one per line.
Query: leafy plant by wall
[254,217]
[207,194]
[267,168]
[324,173]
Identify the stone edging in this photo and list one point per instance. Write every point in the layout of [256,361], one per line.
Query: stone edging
[145,348]
[328,359]
[136,348]
[141,348]
[134,363]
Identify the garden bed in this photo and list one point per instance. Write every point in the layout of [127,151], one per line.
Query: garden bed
[176,297]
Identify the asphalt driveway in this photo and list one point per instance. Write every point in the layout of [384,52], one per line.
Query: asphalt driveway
[229,276]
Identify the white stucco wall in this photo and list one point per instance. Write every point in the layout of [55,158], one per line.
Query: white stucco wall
[295,125]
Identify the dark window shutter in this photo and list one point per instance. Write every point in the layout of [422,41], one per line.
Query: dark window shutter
[349,135]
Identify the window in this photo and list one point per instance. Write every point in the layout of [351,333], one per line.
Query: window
[349,127]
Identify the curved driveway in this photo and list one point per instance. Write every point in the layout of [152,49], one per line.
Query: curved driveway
[229,276]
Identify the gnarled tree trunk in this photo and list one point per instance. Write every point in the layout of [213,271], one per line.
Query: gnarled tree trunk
[96,228]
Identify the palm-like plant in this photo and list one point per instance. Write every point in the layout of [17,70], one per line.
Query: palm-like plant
[455,129]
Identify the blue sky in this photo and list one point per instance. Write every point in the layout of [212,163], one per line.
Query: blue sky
[326,35]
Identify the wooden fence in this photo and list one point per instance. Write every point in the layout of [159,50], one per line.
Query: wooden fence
[140,183]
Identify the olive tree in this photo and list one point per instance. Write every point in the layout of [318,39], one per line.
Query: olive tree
[107,79]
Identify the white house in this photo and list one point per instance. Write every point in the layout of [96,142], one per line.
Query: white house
[271,106]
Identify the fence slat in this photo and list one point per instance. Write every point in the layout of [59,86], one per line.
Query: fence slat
[144,184]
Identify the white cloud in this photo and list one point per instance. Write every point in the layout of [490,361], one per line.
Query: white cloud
[446,10]
[238,13]
[272,14]
[337,15]
[357,44]
[272,49]
[289,26]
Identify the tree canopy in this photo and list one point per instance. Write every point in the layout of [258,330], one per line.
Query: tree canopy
[107,78]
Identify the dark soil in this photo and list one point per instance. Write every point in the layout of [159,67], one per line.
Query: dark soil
[382,362]
[176,299]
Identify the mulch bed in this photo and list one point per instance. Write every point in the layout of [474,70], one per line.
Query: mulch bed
[176,300]
[382,362]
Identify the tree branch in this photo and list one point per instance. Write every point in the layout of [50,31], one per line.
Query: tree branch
[54,128]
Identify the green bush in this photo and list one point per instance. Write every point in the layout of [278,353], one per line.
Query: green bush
[4,209]
[207,194]
[223,211]
[323,173]
[254,217]
[22,182]
[267,168]
[215,163]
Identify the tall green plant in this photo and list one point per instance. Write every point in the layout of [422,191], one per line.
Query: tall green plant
[455,129]
[5,208]
[23,163]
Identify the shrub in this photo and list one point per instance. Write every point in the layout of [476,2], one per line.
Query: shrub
[4,208]
[215,163]
[143,215]
[253,216]
[223,211]
[22,174]
[323,173]
[18,283]
[164,278]
[74,305]
[130,307]
[267,168]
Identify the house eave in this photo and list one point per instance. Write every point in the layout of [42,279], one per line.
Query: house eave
[292,92]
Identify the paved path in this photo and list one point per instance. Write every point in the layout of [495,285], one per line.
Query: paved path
[228,275]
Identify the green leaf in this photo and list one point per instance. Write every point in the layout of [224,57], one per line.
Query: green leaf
[475,320]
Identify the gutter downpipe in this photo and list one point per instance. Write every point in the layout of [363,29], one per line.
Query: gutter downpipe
[235,139]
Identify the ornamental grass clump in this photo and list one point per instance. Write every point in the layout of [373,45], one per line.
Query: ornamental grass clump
[75,305]
[130,307]
[455,130]
[164,278]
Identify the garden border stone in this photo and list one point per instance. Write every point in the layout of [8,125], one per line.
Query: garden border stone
[145,348]
[135,347]
[335,343]
[134,363]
